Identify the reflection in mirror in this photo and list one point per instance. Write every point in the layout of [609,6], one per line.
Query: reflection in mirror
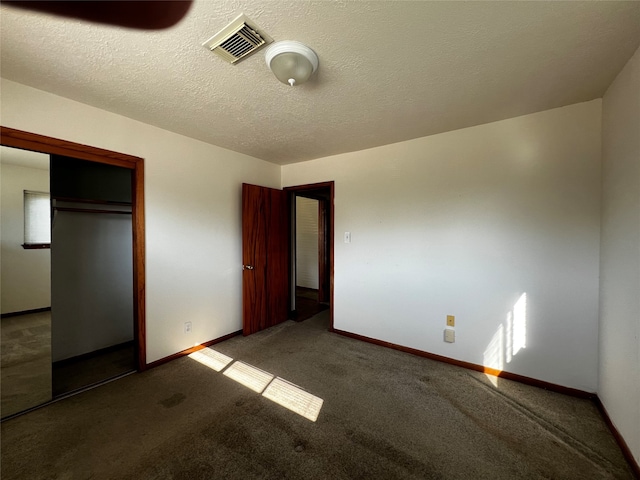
[25,302]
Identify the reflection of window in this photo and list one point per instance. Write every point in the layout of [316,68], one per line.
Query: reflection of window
[37,220]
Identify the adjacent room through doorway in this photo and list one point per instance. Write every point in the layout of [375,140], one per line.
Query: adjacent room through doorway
[311,250]
[307,257]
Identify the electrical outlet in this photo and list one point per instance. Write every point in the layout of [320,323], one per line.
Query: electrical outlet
[451,321]
[187,327]
[449,335]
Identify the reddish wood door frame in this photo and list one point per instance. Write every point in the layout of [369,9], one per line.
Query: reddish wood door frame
[325,193]
[39,143]
[265,258]
[324,234]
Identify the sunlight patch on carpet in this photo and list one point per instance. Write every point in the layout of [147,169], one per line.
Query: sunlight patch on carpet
[294,398]
[276,389]
[212,359]
[251,377]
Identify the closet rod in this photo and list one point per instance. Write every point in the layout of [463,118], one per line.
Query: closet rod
[89,210]
[95,202]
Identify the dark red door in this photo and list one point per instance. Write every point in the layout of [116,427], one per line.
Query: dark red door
[265,258]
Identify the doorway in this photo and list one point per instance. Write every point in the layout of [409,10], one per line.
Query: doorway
[269,254]
[311,258]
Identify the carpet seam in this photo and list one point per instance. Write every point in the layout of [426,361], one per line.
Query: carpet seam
[584,450]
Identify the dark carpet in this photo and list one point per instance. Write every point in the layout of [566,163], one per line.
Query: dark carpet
[386,415]
[307,304]
[79,372]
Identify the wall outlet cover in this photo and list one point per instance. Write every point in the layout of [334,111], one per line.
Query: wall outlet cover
[449,335]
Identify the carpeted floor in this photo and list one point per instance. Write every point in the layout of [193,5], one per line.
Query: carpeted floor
[27,376]
[385,415]
[25,362]
[79,372]
[307,304]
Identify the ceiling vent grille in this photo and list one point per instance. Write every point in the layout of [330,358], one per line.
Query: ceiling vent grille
[237,40]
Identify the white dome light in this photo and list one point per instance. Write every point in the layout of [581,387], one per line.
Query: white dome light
[291,62]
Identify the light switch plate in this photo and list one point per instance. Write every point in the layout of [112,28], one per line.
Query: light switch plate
[347,237]
[451,321]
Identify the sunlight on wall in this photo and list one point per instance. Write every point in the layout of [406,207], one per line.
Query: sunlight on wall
[507,341]
[509,333]
[278,390]
[520,324]
[494,354]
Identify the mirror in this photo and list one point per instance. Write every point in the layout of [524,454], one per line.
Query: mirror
[25,299]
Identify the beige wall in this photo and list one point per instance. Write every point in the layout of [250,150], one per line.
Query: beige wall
[91,281]
[460,223]
[193,218]
[307,242]
[620,255]
[465,223]
[25,274]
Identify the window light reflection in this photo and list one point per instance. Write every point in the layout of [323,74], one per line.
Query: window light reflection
[507,341]
[493,355]
[294,398]
[278,390]
[520,324]
[251,377]
[211,358]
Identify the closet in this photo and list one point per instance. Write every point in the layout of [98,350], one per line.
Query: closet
[92,326]
[73,305]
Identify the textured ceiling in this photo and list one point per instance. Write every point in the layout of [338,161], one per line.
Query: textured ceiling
[389,71]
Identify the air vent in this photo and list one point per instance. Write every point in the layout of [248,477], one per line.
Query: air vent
[237,40]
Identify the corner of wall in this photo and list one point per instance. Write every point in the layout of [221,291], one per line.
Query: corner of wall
[619,308]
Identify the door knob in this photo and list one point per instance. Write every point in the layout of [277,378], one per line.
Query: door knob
[248,267]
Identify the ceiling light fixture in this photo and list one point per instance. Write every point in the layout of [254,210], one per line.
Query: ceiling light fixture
[291,62]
